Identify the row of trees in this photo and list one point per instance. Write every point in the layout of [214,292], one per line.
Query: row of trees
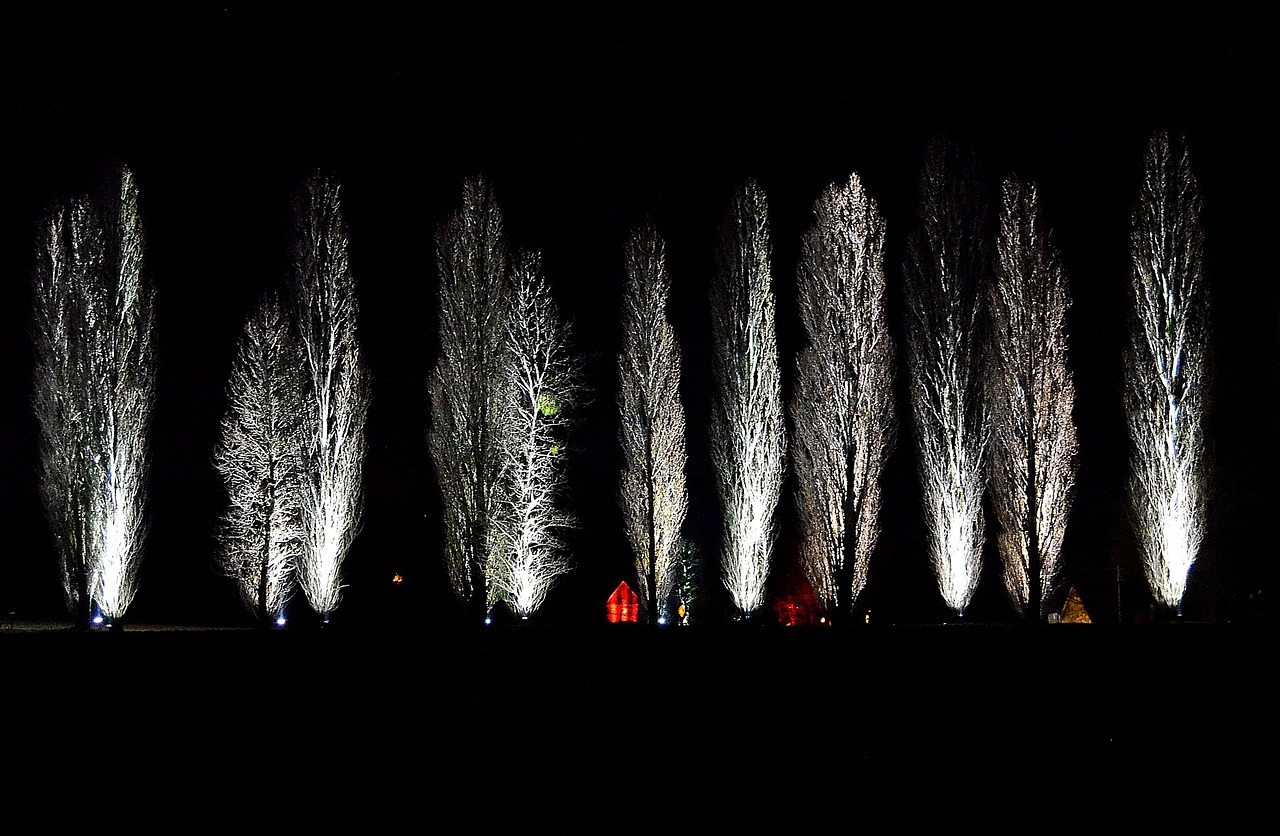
[991,400]
[991,390]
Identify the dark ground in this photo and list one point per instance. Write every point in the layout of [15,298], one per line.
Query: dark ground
[727,729]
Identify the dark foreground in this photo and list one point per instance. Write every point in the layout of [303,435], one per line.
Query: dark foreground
[626,730]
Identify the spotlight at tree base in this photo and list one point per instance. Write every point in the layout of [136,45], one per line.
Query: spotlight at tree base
[662,621]
[281,620]
[98,620]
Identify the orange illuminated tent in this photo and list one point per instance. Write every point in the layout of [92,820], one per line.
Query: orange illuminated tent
[1073,611]
[623,606]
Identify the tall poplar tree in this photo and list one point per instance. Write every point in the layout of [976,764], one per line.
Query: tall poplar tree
[1167,372]
[842,412]
[653,493]
[259,458]
[334,391]
[946,273]
[542,390]
[1031,397]
[94,394]
[467,389]
[748,436]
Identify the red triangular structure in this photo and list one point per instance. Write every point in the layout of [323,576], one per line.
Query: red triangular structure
[623,605]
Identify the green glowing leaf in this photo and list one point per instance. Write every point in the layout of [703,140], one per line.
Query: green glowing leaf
[548,404]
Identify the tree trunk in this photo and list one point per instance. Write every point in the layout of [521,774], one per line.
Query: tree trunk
[844,573]
[1034,604]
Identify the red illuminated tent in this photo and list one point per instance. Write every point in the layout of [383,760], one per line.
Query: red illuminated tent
[623,605]
[794,603]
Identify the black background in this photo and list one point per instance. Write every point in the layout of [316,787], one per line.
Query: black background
[585,123]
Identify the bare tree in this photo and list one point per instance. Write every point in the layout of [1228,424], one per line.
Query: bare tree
[1167,370]
[466,389]
[1031,397]
[653,493]
[544,386]
[260,460]
[335,390]
[94,394]
[946,269]
[842,411]
[748,437]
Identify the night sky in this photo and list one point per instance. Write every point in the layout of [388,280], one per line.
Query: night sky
[585,124]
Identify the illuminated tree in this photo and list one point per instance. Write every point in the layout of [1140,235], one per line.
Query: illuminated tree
[543,387]
[653,493]
[466,389]
[260,460]
[748,438]
[94,393]
[1167,370]
[334,391]
[842,410]
[946,269]
[1031,396]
